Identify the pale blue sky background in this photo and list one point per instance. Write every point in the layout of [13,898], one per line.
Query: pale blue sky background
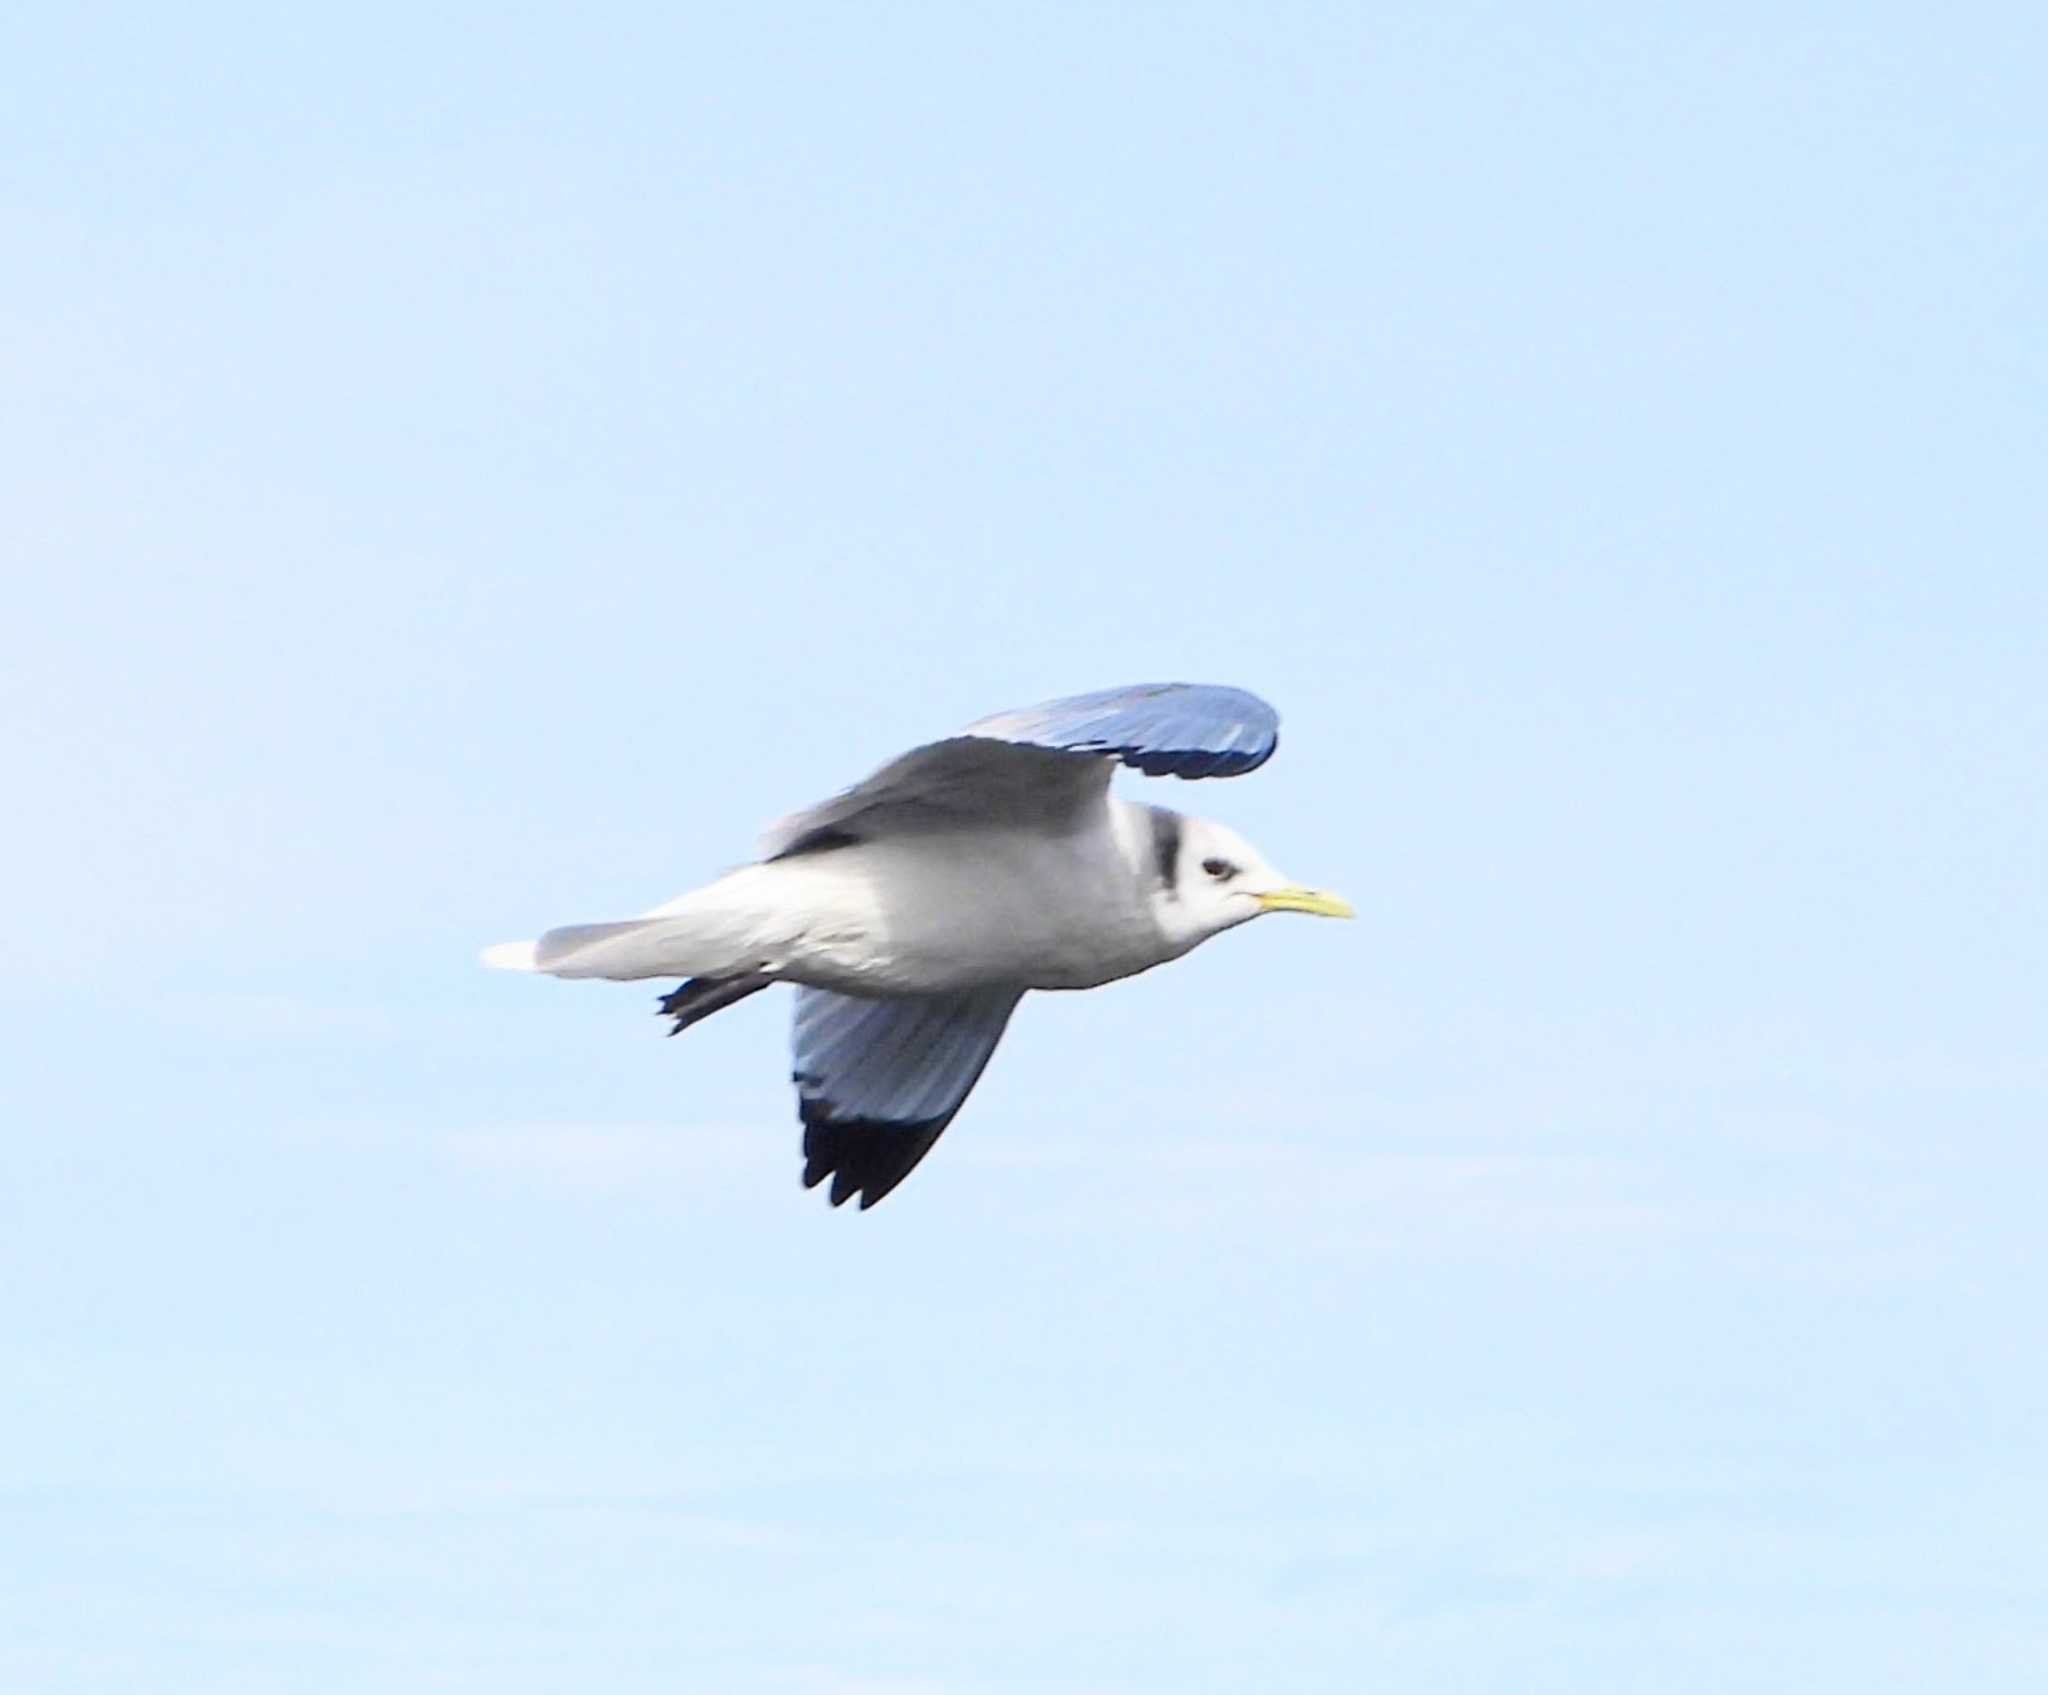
[467,471]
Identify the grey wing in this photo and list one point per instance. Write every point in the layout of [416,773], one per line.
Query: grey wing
[1040,764]
[961,781]
[1164,729]
[878,1080]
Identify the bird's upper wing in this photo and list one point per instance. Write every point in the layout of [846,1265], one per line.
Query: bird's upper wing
[1164,729]
[878,1080]
[1038,763]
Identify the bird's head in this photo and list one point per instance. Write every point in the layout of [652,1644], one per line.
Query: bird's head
[1210,878]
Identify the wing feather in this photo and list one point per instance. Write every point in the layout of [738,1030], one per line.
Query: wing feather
[879,1080]
[1164,729]
[1036,765]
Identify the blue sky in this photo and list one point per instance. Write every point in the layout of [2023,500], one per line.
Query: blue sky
[467,472]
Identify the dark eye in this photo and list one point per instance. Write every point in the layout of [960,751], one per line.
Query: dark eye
[1221,869]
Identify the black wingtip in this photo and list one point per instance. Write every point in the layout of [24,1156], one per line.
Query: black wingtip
[867,1157]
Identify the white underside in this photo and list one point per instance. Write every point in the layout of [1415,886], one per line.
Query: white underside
[913,913]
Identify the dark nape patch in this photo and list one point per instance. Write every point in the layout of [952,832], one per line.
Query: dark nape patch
[823,839]
[863,1156]
[700,997]
[1166,835]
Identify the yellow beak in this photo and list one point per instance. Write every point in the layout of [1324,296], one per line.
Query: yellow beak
[1306,900]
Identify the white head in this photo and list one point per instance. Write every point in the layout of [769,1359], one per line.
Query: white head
[1207,878]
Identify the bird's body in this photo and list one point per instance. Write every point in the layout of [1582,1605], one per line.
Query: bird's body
[937,911]
[964,908]
[914,910]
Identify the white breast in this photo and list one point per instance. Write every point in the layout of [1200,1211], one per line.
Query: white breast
[937,912]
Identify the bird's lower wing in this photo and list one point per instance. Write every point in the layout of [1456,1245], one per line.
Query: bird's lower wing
[878,1080]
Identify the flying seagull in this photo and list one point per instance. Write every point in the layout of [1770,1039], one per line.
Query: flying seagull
[914,910]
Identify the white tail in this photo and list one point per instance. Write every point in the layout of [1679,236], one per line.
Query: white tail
[725,929]
[639,947]
[673,946]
